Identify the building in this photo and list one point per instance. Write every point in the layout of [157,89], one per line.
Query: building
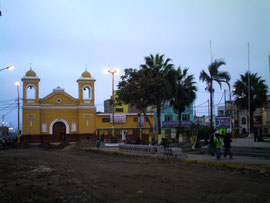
[266,118]
[118,108]
[59,116]
[170,121]
[58,113]
[240,117]
[122,108]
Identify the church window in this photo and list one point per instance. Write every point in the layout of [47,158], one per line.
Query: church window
[30,92]
[73,126]
[58,100]
[87,93]
[44,127]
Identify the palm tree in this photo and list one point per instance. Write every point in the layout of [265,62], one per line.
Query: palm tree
[156,70]
[184,92]
[258,91]
[214,75]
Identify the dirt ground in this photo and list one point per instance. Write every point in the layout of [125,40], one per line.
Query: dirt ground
[44,174]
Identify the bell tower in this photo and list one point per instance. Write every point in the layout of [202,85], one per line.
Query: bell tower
[86,89]
[31,108]
[30,88]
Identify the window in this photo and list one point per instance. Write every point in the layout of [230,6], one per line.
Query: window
[105,120]
[44,127]
[185,117]
[109,132]
[119,110]
[244,121]
[136,132]
[168,117]
[73,127]
[116,132]
[58,100]
[87,93]
[135,119]
[30,92]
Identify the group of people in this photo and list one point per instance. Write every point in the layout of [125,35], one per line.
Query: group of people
[215,145]
[5,142]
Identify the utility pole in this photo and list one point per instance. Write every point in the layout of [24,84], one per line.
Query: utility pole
[17,84]
[249,119]
[269,69]
[208,107]
[225,103]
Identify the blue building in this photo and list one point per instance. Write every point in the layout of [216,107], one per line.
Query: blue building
[169,120]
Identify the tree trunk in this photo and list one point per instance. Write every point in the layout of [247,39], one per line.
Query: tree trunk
[150,124]
[211,106]
[251,122]
[158,117]
[180,123]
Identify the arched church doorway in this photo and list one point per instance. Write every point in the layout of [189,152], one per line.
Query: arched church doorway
[59,131]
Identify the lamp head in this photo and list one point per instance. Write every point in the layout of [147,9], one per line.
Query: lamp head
[10,67]
[117,71]
[17,83]
[106,71]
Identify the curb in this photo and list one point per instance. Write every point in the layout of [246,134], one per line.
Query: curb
[212,163]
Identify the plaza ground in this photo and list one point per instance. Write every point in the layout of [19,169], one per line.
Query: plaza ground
[71,175]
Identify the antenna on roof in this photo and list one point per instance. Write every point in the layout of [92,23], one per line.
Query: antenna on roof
[85,67]
[30,66]
[211,55]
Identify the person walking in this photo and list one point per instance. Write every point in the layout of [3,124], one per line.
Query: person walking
[227,145]
[218,143]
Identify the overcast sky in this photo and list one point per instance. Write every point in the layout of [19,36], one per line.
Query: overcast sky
[60,36]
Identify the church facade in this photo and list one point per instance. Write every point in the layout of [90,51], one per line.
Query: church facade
[59,115]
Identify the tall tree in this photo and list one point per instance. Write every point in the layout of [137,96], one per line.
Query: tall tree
[258,91]
[134,90]
[157,69]
[214,75]
[184,92]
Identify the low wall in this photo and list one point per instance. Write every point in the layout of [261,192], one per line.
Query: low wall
[144,149]
[152,149]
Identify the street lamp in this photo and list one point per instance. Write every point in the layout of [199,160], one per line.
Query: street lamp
[9,68]
[17,84]
[115,72]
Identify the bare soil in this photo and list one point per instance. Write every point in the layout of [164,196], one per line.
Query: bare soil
[70,175]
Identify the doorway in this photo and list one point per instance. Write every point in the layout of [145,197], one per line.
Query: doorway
[59,131]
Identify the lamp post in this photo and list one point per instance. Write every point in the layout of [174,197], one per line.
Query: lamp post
[230,95]
[17,84]
[116,71]
[9,68]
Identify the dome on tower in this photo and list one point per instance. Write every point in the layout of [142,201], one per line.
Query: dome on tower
[86,74]
[30,73]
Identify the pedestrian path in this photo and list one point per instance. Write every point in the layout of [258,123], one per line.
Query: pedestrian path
[248,142]
[237,160]
[248,163]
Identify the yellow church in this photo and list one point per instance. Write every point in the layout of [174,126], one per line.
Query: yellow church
[59,116]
